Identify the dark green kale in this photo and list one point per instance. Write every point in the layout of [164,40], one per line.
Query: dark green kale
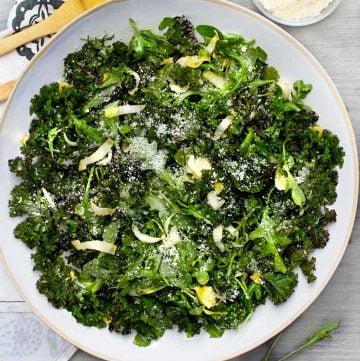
[280,286]
[84,69]
[181,33]
[173,183]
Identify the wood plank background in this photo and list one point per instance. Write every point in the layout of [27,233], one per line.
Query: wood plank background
[335,42]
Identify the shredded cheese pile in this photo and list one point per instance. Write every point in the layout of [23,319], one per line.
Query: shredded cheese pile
[295,9]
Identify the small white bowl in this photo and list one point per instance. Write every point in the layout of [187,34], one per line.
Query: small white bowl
[298,22]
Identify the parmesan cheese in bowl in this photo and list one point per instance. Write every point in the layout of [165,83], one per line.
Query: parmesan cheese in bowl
[296,12]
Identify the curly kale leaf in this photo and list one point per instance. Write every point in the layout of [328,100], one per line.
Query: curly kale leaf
[85,68]
[55,282]
[181,33]
[280,286]
[54,102]
[24,201]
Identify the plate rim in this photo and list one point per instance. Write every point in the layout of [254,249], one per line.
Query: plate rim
[334,91]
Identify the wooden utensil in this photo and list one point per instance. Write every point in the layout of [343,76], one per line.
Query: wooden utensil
[5,89]
[67,12]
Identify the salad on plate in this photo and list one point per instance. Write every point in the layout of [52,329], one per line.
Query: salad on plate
[173,182]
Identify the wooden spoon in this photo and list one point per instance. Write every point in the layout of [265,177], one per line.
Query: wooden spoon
[5,89]
[67,12]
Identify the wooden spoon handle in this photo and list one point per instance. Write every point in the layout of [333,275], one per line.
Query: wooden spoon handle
[5,89]
[67,12]
[31,33]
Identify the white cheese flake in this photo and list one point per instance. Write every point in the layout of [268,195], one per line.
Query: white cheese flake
[177,88]
[144,237]
[172,237]
[232,230]
[100,246]
[281,181]
[98,155]
[196,165]
[137,82]
[192,61]
[214,200]
[68,141]
[106,160]
[114,109]
[221,128]
[218,236]
[302,175]
[48,197]
[212,43]
[285,87]
[100,211]
[215,79]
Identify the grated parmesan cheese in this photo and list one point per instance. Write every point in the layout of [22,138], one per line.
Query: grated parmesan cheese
[148,154]
[295,9]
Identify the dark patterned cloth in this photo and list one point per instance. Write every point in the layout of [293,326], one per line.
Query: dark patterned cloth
[29,12]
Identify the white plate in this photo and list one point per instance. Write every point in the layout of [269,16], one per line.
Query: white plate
[293,61]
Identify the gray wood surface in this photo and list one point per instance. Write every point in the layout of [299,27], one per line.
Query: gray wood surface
[335,42]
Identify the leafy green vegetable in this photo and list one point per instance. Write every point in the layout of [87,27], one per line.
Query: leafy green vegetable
[208,31]
[145,42]
[280,286]
[51,137]
[320,334]
[170,183]
[181,33]
[301,90]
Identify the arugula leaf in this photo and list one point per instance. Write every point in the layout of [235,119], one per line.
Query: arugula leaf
[288,182]
[320,334]
[52,134]
[267,231]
